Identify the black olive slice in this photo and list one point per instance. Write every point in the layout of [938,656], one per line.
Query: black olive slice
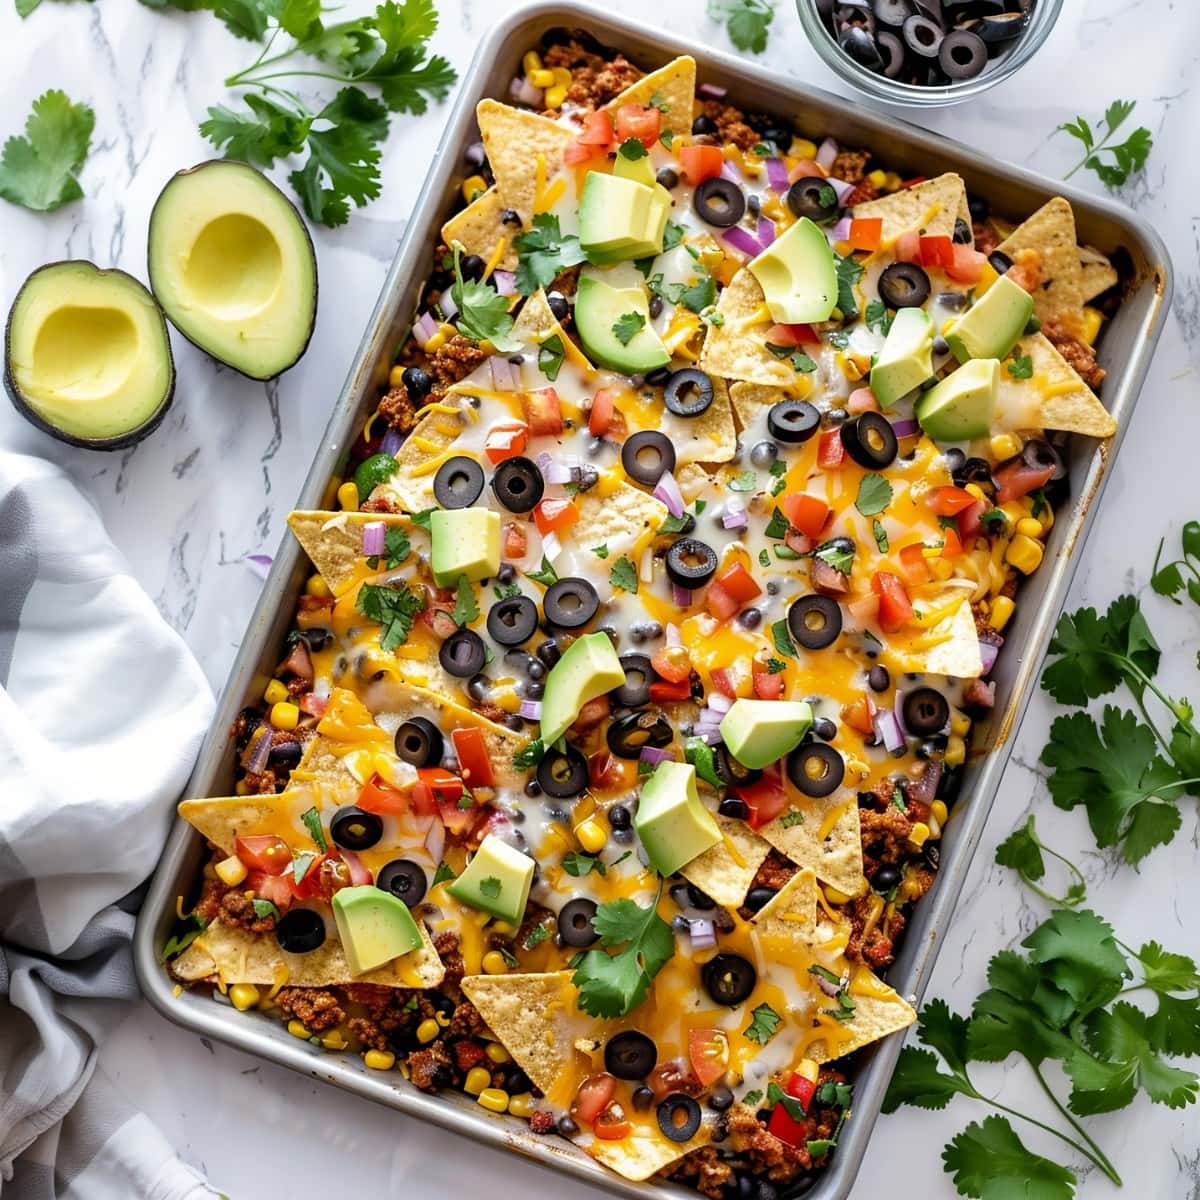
[792,421]
[891,48]
[405,879]
[816,768]
[458,482]
[647,456]
[757,898]
[962,54]
[814,197]
[925,711]
[892,12]
[678,1117]
[886,878]
[731,772]
[419,742]
[870,440]
[963,233]
[562,776]
[570,603]
[575,922]
[923,36]
[630,1055]
[300,931]
[728,978]
[720,202]
[904,285]
[734,807]
[1002,26]
[518,484]
[815,621]
[1039,454]
[688,392]
[417,383]
[860,46]
[1000,262]
[512,621]
[463,654]
[632,732]
[354,828]
[639,675]
[972,470]
[690,562]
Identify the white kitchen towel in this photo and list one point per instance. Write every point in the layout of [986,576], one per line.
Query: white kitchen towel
[102,709]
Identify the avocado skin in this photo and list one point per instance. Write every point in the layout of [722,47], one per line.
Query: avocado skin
[225,162]
[121,441]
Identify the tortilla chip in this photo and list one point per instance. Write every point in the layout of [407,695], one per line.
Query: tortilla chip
[791,914]
[932,207]
[1055,397]
[479,229]
[513,138]
[411,487]
[535,1019]
[692,480]
[1096,273]
[1051,232]
[837,857]
[948,647]
[240,957]
[726,870]
[737,349]
[672,89]
[333,542]
[750,400]
[222,820]
[709,437]
[643,1153]
[536,323]
[616,520]
[878,1011]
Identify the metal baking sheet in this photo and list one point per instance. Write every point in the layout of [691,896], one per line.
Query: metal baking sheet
[1126,350]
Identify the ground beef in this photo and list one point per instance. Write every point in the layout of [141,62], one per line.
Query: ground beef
[209,904]
[431,1068]
[705,1170]
[452,361]
[262,783]
[874,948]
[731,124]
[535,915]
[987,238]
[774,872]
[491,712]
[383,505]
[398,410]
[542,1121]
[317,1009]
[764,1153]
[387,1011]
[884,834]
[850,165]
[465,1022]
[979,694]
[594,80]
[566,283]
[862,192]
[1079,354]
[237,910]
[446,944]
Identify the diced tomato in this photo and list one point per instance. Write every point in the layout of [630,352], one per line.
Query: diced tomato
[379,797]
[864,609]
[827,579]
[967,264]
[949,501]
[1017,480]
[969,524]
[800,542]
[309,886]
[807,168]
[516,540]
[594,1096]
[862,400]
[663,691]
[424,803]
[699,163]
[313,704]
[719,602]
[442,784]
[804,512]
[724,682]
[801,1088]
[634,121]
[597,129]
[673,664]
[914,564]
[506,441]
[360,873]
[708,1052]
[611,1125]
[937,251]
[793,335]
[895,608]
[472,755]
[911,183]
[488,821]
[738,582]
[907,247]
[264,852]
[600,415]
[860,714]
[436,615]
[605,770]
[577,153]
[768,686]
[456,820]
[543,412]
[270,887]
[952,545]
[830,451]
[314,613]
[765,799]
[865,233]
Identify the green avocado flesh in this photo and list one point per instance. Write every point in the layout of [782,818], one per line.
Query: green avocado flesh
[88,358]
[233,267]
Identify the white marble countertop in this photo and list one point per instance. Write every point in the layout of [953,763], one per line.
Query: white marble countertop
[216,482]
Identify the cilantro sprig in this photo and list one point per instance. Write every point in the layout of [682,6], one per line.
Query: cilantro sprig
[394,606]
[746,21]
[40,170]
[1125,159]
[1025,853]
[1169,579]
[543,252]
[482,312]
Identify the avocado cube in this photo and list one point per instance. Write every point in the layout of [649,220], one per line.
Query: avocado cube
[797,275]
[906,360]
[589,668]
[496,880]
[758,732]
[374,927]
[671,822]
[621,218]
[466,541]
[960,406]
[993,325]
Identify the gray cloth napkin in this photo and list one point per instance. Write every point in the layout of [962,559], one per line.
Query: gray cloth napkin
[102,709]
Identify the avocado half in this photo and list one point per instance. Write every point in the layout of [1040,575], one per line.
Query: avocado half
[233,266]
[87,356]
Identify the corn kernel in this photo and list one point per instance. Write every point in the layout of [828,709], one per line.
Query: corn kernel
[834,896]
[1002,609]
[285,715]
[1093,318]
[920,834]
[436,342]
[1047,518]
[959,722]
[347,496]
[942,568]
[477,1079]
[494,964]
[562,76]
[275,692]
[939,812]
[956,751]
[1030,527]
[297,1030]
[231,870]
[975,490]
[803,148]
[316,586]
[591,835]
[334,1041]
[428,1030]
[473,187]
[380,1060]
[894,182]
[504,928]
[497,1053]
[857,769]
[532,61]
[242,789]
[243,996]
[1005,445]
[542,77]
[1025,554]
[807,1069]
[442,1018]
[1013,512]
[554,96]
[878,179]
[396,376]
[495,1099]
[521,1105]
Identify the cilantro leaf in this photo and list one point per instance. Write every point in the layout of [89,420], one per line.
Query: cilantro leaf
[1079,953]
[396,548]
[405,78]
[264,908]
[838,553]
[791,818]
[578,865]
[918,1081]
[781,636]
[1020,366]
[631,149]
[849,272]
[698,294]
[628,325]
[1127,158]
[185,933]
[791,1105]
[988,1161]
[944,1031]
[529,756]
[550,357]
[764,1025]
[878,317]
[312,822]
[747,21]
[443,873]
[624,575]
[1099,652]
[490,887]
[874,495]
[700,754]
[800,361]
[543,252]
[880,535]
[482,312]
[39,171]
[545,574]
[394,606]
[466,609]
[266,132]
[1023,850]
[536,936]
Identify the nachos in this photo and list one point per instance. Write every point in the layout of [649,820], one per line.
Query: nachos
[630,693]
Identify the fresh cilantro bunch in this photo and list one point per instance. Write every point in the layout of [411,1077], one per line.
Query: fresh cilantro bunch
[1125,159]
[1025,853]
[39,171]
[1169,578]
[747,21]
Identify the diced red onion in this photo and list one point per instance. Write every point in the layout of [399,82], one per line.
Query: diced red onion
[777,178]
[258,564]
[424,328]
[708,718]
[826,153]
[667,490]
[553,470]
[447,305]
[702,934]
[474,154]
[742,240]
[736,519]
[531,710]
[372,538]
[551,546]
[989,654]
[258,748]
[719,702]
[654,755]
[673,636]
[924,788]
[766,231]
[505,281]
[712,91]
[681,596]
[903,429]
[841,231]
[840,186]
[435,841]
[360,873]
[731,172]
[521,91]
[504,374]
[827,986]
[711,737]
[392,441]
[887,730]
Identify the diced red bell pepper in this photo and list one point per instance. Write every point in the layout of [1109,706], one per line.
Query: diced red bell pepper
[673,664]
[577,153]
[708,1052]
[264,852]
[914,563]
[664,690]
[782,1124]
[1017,480]
[605,770]
[866,233]
[937,251]
[506,441]
[554,514]
[600,415]
[766,798]
[804,512]
[895,608]
[952,545]
[907,247]
[472,755]
[379,797]
[313,705]
[719,602]
[442,785]
[738,582]
[967,264]
[634,121]
[793,335]
[543,412]
[699,163]
[597,129]
[949,501]
[611,1124]
[831,454]
[768,686]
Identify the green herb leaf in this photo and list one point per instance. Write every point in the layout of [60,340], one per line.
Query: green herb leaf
[490,887]
[792,817]
[835,553]
[624,575]
[40,170]
[989,1161]
[880,535]
[672,234]
[849,272]
[466,609]
[543,253]
[312,822]
[700,754]
[578,865]
[443,874]
[1097,653]
[529,756]
[1125,159]
[186,932]
[874,495]
[744,481]
[301,863]
[783,639]
[550,357]
[264,908]
[631,149]
[793,1107]
[536,936]
[545,575]
[747,21]
[778,471]
[878,317]
[396,549]
[394,606]
[628,325]
[422,518]
[1020,367]
[482,312]
[764,1025]
[1023,851]
[750,1099]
